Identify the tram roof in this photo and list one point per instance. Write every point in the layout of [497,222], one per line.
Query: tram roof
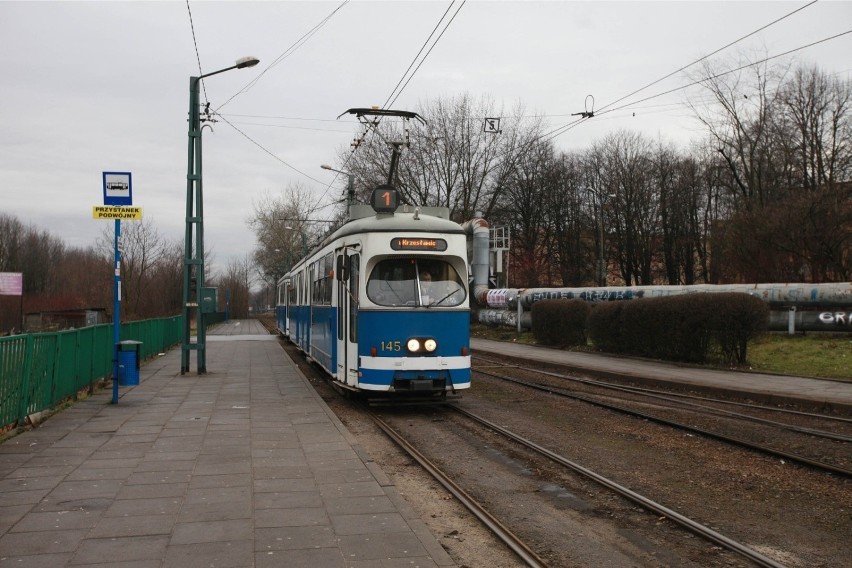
[406,219]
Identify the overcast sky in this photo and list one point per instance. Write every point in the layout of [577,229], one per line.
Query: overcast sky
[104,86]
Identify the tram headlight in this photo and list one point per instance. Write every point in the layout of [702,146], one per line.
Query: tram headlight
[421,345]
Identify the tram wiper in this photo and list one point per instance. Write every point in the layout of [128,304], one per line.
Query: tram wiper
[442,299]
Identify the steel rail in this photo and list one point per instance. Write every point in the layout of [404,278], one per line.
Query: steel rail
[715,435]
[658,395]
[645,502]
[671,394]
[504,534]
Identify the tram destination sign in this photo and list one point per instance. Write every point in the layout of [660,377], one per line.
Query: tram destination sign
[418,243]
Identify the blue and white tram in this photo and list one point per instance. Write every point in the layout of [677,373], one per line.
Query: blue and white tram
[382,304]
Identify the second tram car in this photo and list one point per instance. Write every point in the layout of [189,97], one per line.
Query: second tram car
[382,304]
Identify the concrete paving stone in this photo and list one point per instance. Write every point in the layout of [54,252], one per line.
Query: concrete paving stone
[137,525]
[153,462]
[342,455]
[357,489]
[42,542]
[295,454]
[243,466]
[352,474]
[293,517]
[240,494]
[120,549]
[231,554]
[70,453]
[220,481]
[28,483]
[156,477]
[11,514]
[212,531]
[289,472]
[170,456]
[355,505]
[420,562]
[328,447]
[85,473]
[91,504]
[57,520]
[177,443]
[377,547]
[124,452]
[35,560]
[149,491]
[197,512]
[121,440]
[75,490]
[168,506]
[294,538]
[82,440]
[30,498]
[41,460]
[286,485]
[301,558]
[28,470]
[369,523]
[297,500]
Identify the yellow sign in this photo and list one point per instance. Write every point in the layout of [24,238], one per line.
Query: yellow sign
[111,212]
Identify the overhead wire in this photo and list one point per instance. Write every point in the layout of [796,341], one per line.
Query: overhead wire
[287,53]
[397,89]
[760,29]
[197,55]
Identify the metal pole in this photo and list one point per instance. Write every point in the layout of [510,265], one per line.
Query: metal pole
[193,261]
[116,312]
[601,260]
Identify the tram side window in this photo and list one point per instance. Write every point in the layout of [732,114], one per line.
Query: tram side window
[321,280]
[415,282]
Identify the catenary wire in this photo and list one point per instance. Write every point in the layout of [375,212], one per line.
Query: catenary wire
[711,54]
[287,52]
[197,56]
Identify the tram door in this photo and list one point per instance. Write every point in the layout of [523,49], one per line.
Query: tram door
[348,269]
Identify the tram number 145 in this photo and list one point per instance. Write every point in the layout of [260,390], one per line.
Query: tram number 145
[391,345]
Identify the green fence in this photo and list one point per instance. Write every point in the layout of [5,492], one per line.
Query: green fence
[39,370]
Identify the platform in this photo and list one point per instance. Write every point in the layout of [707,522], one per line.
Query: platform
[768,387]
[243,466]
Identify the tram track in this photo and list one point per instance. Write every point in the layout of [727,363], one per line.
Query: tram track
[513,502]
[719,436]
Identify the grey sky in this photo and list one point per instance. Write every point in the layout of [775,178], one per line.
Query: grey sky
[103,86]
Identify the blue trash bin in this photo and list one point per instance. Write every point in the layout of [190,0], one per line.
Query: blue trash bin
[128,363]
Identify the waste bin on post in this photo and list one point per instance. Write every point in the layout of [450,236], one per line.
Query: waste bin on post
[128,362]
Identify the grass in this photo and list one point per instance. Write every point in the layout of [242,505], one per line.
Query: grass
[824,355]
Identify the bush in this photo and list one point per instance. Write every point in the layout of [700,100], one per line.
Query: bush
[680,328]
[560,322]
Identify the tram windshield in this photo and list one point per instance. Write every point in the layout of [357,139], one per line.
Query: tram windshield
[415,282]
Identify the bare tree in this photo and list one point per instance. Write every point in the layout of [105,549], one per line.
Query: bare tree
[235,285]
[283,231]
[452,161]
[817,128]
[742,124]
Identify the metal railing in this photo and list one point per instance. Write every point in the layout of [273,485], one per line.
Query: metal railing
[40,370]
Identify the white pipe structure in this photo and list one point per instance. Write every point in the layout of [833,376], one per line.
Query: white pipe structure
[479,264]
[510,306]
[800,295]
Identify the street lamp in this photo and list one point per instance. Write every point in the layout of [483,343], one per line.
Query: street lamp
[350,190]
[601,272]
[192,296]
